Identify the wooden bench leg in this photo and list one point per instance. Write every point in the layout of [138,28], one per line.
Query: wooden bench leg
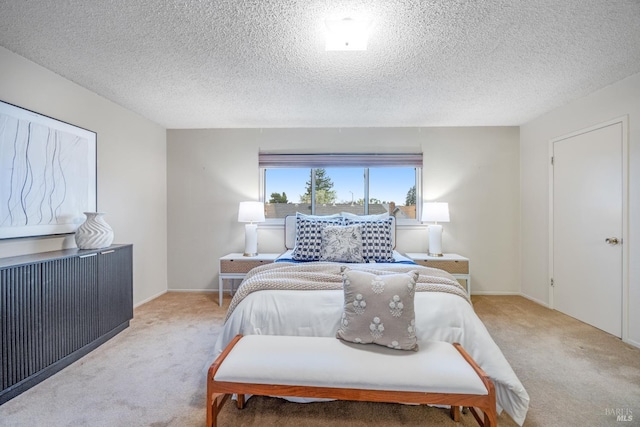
[489,417]
[214,404]
[454,412]
[240,402]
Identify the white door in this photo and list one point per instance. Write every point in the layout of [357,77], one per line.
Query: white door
[587,221]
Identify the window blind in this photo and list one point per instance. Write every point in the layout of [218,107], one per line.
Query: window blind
[368,160]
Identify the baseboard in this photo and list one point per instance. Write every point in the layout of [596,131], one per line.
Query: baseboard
[520,294]
[173,290]
[496,293]
[537,301]
[632,342]
[149,299]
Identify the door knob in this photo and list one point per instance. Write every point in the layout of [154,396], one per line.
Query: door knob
[612,241]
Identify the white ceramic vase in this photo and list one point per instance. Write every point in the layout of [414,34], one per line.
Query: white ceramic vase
[94,233]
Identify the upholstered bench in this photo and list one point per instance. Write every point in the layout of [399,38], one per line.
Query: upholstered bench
[438,373]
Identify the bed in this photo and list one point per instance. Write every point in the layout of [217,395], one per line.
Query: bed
[295,297]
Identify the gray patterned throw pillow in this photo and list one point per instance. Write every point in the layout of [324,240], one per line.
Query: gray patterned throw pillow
[378,309]
[341,244]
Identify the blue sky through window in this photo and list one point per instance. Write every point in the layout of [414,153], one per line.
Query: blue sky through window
[385,184]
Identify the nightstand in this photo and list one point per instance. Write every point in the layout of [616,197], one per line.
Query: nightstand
[236,266]
[455,264]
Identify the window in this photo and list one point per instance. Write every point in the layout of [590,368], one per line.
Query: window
[363,184]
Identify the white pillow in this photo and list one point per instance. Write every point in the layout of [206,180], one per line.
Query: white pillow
[306,216]
[349,215]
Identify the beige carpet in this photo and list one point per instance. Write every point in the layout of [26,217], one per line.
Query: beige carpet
[153,374]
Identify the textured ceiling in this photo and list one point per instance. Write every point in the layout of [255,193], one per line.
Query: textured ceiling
[262,63]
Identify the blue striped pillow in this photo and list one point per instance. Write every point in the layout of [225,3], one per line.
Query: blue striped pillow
[308,246]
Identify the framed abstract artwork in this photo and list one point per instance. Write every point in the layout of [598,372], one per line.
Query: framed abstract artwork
[48,174]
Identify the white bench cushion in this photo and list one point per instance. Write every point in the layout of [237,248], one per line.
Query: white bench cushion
[437,367]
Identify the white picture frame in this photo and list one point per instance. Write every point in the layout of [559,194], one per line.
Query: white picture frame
[48,174]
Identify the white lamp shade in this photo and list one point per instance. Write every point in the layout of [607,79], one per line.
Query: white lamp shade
[435,212]
[251,212]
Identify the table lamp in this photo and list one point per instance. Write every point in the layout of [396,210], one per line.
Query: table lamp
[251,212]
[435,212]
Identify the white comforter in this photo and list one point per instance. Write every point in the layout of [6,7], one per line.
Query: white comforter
[439,316]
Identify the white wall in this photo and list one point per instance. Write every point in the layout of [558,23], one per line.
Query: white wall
[619,99]
[476,170]
[131,167]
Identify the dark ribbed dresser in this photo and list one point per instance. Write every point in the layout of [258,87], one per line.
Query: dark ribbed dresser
[56,307]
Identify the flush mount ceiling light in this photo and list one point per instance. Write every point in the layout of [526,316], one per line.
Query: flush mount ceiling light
[347,34]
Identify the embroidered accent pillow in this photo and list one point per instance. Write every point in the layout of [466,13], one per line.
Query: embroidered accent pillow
[341,243]
[309,236]
[379,309]
[376,239]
